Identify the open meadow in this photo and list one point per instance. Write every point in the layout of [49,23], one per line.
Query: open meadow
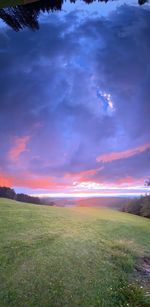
[52,256]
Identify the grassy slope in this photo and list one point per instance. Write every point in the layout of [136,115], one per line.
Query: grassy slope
[70,256]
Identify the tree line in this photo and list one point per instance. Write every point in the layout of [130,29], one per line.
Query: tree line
[138,206]
[21,16]
[10,193]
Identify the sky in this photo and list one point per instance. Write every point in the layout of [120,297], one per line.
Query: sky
[75,102]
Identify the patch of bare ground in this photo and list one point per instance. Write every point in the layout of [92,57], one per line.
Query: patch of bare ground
[142,273]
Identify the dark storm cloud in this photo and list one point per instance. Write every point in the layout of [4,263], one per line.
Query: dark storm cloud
[123,67]
[49,83]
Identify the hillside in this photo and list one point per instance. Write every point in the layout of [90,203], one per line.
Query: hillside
[75,256]
[110,202]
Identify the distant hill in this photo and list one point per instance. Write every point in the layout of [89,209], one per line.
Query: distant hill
[111,202]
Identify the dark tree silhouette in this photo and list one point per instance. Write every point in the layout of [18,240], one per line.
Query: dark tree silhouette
[141,2]
[147,183]
[7,192]
[145,210]
[138,206]
[21,16]
[28,199]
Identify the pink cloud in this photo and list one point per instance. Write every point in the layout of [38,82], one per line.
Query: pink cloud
[5,180]
[19,146]
[123,183]
[83,175]
[129,181]
[27,180]
[108,157]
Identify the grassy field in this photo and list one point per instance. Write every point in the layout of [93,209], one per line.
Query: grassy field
[53,256]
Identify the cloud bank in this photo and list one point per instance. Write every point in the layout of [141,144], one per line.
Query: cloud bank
[75,102]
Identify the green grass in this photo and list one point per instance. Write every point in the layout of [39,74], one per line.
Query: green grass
[53,256]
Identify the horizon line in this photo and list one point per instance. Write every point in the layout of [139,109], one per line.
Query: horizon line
[86,195]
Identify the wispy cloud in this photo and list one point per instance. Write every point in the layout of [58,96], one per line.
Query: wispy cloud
[109,157]
[19,146]
[82,175]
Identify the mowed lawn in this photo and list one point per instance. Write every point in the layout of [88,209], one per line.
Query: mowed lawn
[51,256]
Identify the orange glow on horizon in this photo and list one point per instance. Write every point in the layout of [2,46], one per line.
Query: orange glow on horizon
[27,180]
[86,195]
[5,180]
[33,181]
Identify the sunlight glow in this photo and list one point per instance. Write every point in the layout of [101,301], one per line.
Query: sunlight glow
[86,195]
[106,101]
[88,185]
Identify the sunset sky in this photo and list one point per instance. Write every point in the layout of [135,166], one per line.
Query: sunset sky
[75,101]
